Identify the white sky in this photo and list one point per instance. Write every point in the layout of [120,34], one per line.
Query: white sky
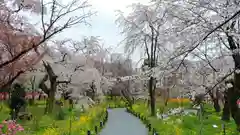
[103,24]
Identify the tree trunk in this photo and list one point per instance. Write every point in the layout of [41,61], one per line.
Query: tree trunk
[235,93]
[235,110]
[226,109]
[234,96]
[215,102]
[50,101]
[53,88]
[46,107]
[152,96]
[46,90]
[126,93]
[31,101]
[52,91]
[216,105]
[166,96]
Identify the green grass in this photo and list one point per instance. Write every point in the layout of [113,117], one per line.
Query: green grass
[115,102]
[186,125]
[176,125]
[47,124]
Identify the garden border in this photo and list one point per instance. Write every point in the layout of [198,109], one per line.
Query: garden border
[104,121]
[101,124]
[151,130]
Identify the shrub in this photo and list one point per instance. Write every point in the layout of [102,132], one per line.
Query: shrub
[17,100]
[10,128]
[77,126]
[60,115]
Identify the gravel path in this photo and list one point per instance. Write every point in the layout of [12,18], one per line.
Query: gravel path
[122,123]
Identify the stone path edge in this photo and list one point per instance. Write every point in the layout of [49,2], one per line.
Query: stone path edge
[152,131]
[97,129]
[102,122]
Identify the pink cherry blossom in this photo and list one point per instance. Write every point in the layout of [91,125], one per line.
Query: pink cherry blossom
[12,127]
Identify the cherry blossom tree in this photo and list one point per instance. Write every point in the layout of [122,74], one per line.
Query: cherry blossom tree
[51,16]
[74,72]
[96,51]
[144,28]
[207,28]
[194,30]
[13,41]
[199,29]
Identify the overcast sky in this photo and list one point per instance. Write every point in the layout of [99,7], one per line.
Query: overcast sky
[103,24]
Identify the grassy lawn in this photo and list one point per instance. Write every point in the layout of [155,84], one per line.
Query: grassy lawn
[188,124]
[80,122]
[117,102]
[51,124]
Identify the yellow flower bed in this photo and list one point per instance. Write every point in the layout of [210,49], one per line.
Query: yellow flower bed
[84,119]
[80,126]
[51,131]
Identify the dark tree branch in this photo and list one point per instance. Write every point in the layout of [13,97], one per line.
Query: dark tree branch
[79,68]
[12,79]
[204,38]
[219,82]
[47,33]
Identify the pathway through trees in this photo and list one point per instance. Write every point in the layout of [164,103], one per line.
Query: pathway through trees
[122,123]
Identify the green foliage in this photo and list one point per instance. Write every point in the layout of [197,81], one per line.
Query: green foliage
[31,102]
[17,100]
[36,121]
[188,124]
[116,102]
[60,115]
[59,121]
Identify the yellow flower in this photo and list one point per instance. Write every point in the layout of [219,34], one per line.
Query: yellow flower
[178,131]
[84,119]
[51,131]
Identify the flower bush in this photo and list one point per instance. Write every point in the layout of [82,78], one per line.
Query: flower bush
[80,126]
[10,128]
